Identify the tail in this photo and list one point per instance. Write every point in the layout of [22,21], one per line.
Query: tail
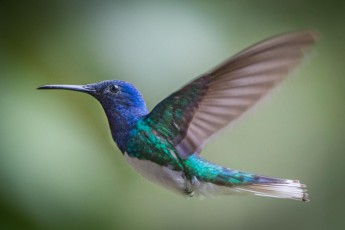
[212,180]
[235,182]
[278,188]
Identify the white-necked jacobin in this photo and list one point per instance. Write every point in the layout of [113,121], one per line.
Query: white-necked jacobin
[164,145]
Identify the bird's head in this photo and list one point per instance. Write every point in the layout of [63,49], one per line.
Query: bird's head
[118,97]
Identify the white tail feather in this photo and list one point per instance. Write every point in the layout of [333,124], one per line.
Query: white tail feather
[289,189]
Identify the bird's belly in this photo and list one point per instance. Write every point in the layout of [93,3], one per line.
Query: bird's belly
[161,175]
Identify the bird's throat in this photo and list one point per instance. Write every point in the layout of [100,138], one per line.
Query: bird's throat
[121,125]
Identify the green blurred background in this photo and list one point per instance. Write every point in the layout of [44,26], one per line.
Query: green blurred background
[59,168]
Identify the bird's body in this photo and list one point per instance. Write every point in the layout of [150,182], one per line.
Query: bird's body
[157,160]
[164,145]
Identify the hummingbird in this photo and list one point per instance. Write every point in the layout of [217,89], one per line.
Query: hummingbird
[164,145]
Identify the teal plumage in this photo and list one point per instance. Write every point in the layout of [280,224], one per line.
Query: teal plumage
[164,145]
[145,144]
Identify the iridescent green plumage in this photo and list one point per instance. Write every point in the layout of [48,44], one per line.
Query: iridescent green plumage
[209,172]
[146,143]
[170,118]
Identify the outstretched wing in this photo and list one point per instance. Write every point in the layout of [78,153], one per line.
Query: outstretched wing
[189,116]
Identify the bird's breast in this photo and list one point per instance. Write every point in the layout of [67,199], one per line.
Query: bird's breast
[156,173]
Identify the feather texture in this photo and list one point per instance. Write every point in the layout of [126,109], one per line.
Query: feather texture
[203,107]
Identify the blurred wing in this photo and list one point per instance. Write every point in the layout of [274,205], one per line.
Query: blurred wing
[188,117]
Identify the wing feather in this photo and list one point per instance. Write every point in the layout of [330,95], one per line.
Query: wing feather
[212,101]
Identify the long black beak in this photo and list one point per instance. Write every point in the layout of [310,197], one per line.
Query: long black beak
[79,88]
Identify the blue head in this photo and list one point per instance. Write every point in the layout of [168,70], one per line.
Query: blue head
[121,101]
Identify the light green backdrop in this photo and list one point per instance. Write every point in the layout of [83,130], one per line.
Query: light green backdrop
[59,168]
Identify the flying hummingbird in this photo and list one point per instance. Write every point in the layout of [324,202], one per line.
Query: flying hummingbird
[164,145]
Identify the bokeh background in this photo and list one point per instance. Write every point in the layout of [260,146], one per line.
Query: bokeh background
[59,168]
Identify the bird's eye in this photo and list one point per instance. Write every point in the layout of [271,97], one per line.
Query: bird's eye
[114,89]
